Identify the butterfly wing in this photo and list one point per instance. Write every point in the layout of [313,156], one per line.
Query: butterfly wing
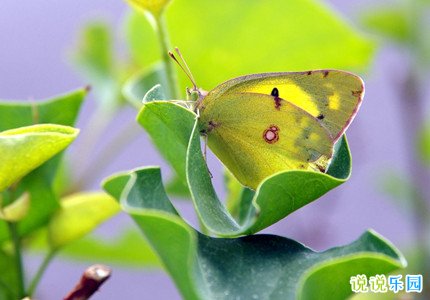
[331,96]
[256,135]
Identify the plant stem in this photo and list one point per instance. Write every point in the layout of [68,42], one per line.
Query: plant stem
[163,39]
[18,258]
[33,285]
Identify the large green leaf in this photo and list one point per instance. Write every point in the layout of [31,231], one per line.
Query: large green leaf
[25,148]
[251,37]
[61,110]
[252,267]
[170,127]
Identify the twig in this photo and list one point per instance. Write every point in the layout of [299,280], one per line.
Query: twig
[90,282]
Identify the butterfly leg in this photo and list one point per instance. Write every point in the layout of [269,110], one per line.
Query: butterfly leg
[205,140]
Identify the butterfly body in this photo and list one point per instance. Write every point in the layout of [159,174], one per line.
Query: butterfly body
[261,124]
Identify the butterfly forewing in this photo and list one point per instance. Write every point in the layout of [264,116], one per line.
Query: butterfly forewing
[331,96]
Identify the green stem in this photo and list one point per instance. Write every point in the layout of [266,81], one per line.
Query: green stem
[33,285]
[18,258]
[163,39]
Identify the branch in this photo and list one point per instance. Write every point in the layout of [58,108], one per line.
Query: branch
[90,282]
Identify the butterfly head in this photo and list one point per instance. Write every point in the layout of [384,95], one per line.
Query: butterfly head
[194,94]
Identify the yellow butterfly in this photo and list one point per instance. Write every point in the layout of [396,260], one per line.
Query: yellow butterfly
[261,124]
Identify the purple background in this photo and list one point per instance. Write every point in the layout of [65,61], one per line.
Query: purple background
[35,39]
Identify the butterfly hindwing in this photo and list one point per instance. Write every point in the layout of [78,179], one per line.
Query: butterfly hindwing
[257,135]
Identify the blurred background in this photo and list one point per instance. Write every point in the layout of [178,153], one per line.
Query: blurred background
[39,58]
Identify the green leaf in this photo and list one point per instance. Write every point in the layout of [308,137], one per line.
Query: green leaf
[129,249]
[286,36]
[94,58]
[177,188]
[424,144]
[144,86]
[61,110]
[94,52]
[370,255]
[170,127]
[79,215]
[26,148]
[392,23]
[258,266]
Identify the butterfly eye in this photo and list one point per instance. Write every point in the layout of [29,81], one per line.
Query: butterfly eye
[193,95]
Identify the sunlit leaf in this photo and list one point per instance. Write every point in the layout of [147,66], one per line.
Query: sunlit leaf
[155,7]
[61,110]
[129,249]
[26,148]
[79,215]
[252,37]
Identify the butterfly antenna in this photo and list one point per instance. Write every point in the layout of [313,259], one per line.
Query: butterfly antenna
[186,69]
